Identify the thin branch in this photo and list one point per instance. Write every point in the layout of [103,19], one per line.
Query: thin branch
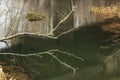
[72,4]
[65,18]
[69,54]
[63,63]
[71,30]
[63,52]
[51,53]
[26,33]
[20,55]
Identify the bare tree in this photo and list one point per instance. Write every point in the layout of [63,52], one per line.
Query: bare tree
[48,36]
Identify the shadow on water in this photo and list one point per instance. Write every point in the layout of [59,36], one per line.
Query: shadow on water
[85,43]
[99,63]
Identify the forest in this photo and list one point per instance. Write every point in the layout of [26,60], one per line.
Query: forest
[59,40]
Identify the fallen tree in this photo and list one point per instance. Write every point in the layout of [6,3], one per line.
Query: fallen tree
[34,46]
[24,45]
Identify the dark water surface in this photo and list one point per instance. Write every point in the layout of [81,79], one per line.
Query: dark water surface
[99,63]
[86,43]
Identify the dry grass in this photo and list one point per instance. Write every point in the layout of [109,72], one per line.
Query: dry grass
[113,28]
[12,73]
[106,12]
[111,15]
[2,74]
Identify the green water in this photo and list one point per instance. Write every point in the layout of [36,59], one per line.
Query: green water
[85,43]
[99,63]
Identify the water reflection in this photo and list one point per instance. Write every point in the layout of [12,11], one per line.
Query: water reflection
[85,44]
[96,65]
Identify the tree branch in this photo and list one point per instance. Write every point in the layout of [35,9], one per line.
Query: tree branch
[65,18]
[71,30]
[26,33]
[51,53]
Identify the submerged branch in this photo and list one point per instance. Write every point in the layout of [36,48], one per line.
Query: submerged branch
[69,54]
[63,63]
[51,53]
[19,55]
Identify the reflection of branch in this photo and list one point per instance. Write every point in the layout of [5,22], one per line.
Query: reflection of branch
[20,55]
[69,54]
[51,53]
[63,63]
